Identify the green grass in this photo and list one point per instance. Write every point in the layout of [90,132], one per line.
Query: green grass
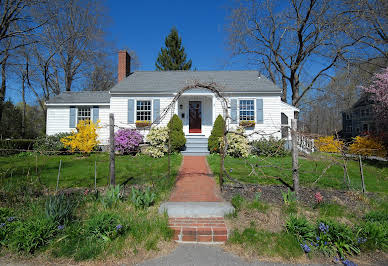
[375,173]
[78,171]
[267,243]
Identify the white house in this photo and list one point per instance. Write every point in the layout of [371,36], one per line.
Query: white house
[143,95]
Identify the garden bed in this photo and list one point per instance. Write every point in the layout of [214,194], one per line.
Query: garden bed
[273,194]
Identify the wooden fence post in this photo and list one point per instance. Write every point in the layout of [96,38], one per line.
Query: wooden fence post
[112,149]
[59,173]
[295,152]
[362,175]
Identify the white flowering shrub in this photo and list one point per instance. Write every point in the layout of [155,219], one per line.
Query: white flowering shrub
[238,145]
[157,137]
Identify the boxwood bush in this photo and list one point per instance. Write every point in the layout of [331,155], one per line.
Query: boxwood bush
[178,139]
[216,134]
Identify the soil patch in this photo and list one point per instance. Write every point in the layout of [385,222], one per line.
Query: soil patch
[273,194]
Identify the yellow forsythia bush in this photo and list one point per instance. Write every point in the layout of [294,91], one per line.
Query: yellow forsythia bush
[328,144]
[367,146]
[84,139]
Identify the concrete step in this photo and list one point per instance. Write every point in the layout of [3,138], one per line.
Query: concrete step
[201,145]
[196,140]
[199,230]
[196,209]
[196,149]
[188,153]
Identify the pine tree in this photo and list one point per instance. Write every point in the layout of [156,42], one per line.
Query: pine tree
[173,57]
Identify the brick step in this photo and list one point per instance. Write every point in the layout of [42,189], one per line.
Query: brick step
[210,230]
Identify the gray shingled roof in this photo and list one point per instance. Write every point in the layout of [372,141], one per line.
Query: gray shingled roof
[172,81]
[81,97]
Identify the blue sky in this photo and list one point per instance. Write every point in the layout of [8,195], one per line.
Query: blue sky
[143,26]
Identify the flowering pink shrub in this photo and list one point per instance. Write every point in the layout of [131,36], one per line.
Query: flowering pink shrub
[318,197]
[127,140]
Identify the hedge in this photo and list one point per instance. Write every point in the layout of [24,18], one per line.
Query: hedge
[14,145]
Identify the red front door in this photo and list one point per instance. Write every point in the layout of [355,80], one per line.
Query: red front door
[195,115]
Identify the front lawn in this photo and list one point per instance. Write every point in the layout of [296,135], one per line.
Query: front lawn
[78,171]
[275,170]
[77,223]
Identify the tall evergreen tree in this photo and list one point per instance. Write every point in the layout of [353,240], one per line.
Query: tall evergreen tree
[173,57]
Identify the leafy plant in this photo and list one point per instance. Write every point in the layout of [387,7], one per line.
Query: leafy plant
[178,139]
[335,238]
[301,228]
[111,197]
[157,137]
[104,226]
[84,139]
[127,140]
[238,143]
[142,199]
[50,143]
[216,133]
[237,201]
[329,144]
[60,208]
[367,146]
[15,145]
[289,197]
[32,234]
[373,235]
[269,147]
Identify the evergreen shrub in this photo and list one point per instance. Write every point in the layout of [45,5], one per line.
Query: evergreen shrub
[178,139]
[216,134]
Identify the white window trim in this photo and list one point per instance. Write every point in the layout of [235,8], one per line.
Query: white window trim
[91,113]
[152,108]
[238,108]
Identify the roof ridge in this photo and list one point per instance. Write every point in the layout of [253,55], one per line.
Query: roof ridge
[166,71]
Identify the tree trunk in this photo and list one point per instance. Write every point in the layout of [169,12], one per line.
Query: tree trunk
[3,86]
[112,149]
[24,108]
[295,163]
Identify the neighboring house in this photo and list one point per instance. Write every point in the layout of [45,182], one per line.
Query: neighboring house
[359,118]
[143,95]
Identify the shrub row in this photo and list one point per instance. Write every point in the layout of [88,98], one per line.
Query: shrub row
[15,144]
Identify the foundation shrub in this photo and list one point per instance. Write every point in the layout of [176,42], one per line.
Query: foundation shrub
[269,147]
[178,139]
[216,133]
[127,140]
[157,138]
[238,143]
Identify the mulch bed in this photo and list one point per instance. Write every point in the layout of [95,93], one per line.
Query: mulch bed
[273,194]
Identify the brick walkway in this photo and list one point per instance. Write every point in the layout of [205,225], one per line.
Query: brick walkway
[195,184]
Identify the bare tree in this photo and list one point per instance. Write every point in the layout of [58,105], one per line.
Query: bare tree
[76,34]
[297,42]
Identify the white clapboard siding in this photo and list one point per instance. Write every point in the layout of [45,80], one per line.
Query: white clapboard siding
[58,121]
[271,115]
[119,107]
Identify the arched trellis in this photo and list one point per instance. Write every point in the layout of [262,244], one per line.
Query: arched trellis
[217,91]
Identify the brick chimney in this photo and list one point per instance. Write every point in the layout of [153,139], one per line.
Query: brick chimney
[124,67]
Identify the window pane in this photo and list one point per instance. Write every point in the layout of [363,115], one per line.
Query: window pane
[247,110]
[143,110]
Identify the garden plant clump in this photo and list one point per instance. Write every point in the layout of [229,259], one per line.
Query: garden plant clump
[127,140]
[269,147]
[157,138]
